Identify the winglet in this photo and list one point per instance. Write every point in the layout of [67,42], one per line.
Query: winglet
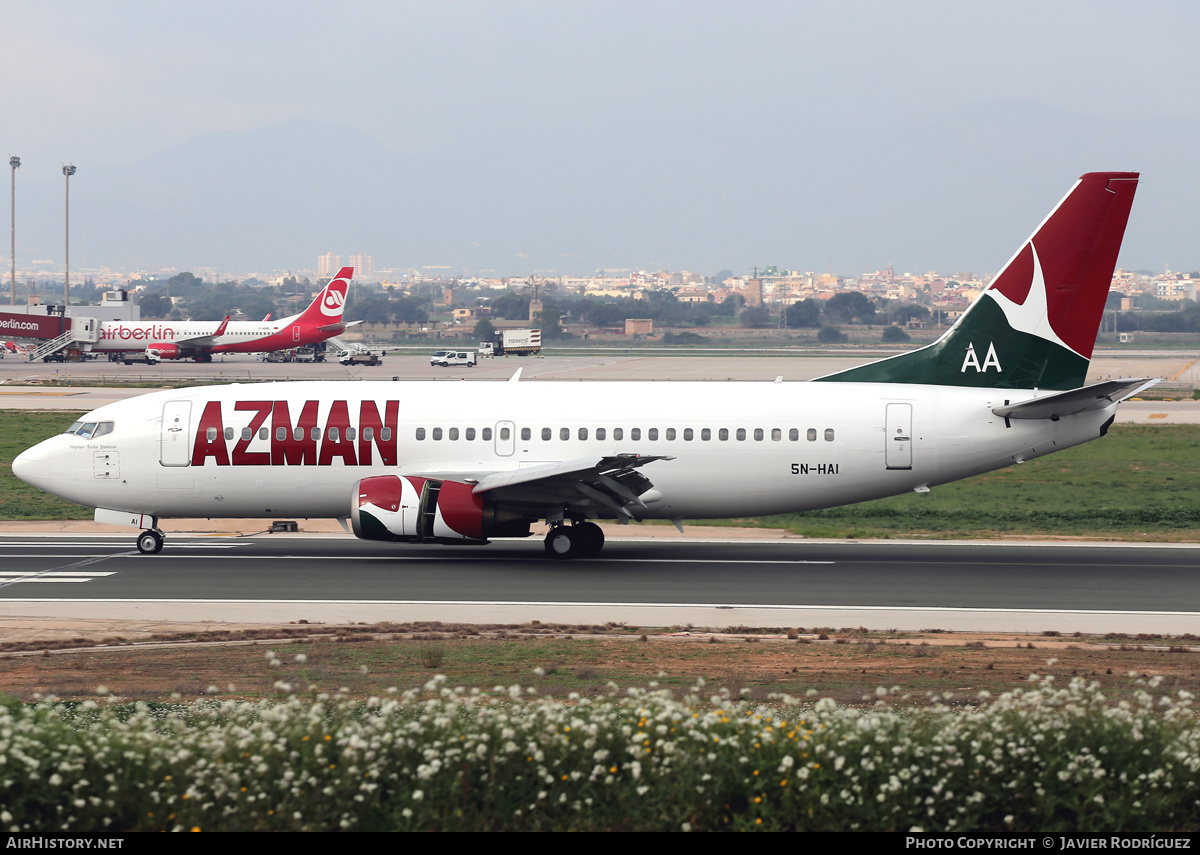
[221,329]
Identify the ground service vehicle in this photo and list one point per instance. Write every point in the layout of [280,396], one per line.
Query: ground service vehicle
[446,358]
[512,343]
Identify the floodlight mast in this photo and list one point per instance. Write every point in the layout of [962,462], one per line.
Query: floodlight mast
[68,171]
[14,162]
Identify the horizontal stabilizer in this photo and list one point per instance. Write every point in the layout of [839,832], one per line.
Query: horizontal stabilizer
[1094,397]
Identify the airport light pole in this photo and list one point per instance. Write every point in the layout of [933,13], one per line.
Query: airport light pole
[14,162]
[68,171]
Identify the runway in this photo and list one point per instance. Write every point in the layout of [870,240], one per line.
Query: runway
[1013,587]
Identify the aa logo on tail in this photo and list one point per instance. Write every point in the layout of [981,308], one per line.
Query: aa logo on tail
[971,360]
[335,298]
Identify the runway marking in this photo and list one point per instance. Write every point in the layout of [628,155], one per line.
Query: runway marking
[47,575]
[115,546]
[778,607]
[15,577]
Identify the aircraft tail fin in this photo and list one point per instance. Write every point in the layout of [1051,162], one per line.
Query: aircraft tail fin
[328,306]
[1035,325]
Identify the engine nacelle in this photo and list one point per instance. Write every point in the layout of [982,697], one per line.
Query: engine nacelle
[424,510]
[163,350]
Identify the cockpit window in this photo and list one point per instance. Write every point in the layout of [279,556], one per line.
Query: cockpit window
[90,430]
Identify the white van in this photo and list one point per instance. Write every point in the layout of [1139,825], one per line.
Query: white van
[446,358]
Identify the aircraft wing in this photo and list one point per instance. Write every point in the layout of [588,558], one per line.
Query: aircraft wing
[207,340]
[611,483]
[1094,397]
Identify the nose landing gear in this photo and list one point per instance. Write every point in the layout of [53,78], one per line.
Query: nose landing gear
[150,542]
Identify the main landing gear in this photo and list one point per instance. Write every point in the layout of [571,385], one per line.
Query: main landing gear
[150,542]
[580,540]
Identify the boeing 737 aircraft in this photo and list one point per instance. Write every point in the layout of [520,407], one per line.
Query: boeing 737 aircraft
[199,340]
[465,462]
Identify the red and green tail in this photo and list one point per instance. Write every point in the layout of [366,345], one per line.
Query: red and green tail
[1035,325]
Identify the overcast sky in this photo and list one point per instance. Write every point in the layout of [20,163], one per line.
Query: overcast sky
[574,136]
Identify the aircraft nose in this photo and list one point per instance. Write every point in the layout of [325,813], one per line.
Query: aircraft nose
[33,466]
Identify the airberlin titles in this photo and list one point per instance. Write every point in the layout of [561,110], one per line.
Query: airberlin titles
[303,442]
[148,333]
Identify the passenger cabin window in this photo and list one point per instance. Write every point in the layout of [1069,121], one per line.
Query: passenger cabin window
[546,434]
[583,433]
[794,434]
[723,434]
[652,434]
[453,434]
[635,434]
[705,434]
[368,434]
[812,434]
[670,433]
[228,433]
[600,433]
[486,434]
[741,434]
[618,434]
[526,433]
[564,433]
[687,434]
[829,434]
[776,434]
[470,434]
[420,433]
[758,434]
[437,433]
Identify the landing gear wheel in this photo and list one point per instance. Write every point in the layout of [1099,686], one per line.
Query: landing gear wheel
[575,541]
[562,542]
[590,538]
[150,543]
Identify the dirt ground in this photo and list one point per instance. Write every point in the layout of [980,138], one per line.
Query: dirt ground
[154,662]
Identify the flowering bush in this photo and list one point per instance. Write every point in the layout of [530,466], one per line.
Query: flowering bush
[1040,758]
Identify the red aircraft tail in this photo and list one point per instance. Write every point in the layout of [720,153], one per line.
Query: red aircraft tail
[327,308]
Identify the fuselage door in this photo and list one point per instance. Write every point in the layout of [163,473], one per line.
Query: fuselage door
[175,433]
[898,436]
[506,439]
[296,333]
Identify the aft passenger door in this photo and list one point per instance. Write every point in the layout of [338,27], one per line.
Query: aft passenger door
[898,436]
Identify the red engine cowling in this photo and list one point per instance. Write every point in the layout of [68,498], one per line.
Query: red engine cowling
[400,508]
[162,350]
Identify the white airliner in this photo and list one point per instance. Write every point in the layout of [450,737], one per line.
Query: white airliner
[199,340]
[466,462]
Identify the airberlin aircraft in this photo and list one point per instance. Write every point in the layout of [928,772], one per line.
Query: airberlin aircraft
[199,340]
[460,463]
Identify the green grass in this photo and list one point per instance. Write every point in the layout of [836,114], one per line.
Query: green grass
[20,429]
[1139,482]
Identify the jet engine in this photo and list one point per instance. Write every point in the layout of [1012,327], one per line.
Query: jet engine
[425,510]
[162,350]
